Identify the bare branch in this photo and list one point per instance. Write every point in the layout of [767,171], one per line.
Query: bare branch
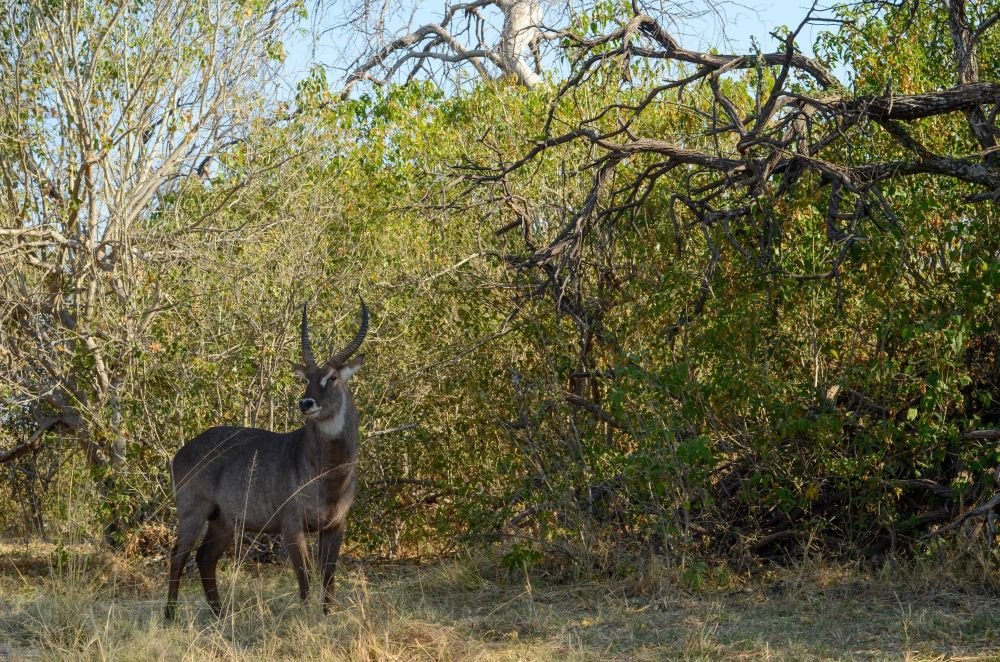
[32,444]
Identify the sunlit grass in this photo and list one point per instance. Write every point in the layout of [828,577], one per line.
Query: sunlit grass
[79,604]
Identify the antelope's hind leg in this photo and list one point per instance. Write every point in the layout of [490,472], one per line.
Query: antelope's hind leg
[189,526]
[217,539]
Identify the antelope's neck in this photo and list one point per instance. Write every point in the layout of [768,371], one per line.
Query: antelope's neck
[331,428]
[331,438]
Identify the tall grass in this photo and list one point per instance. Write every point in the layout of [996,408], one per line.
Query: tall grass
[74,603]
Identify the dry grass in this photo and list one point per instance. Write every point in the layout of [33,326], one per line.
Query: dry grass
[58,603]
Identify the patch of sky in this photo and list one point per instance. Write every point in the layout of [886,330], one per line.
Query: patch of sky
[331,39]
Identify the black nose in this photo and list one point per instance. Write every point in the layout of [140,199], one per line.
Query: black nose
[305,404]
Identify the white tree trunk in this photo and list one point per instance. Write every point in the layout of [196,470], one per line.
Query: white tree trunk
[520,28]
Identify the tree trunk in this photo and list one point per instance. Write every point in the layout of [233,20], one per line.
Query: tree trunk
[520,29]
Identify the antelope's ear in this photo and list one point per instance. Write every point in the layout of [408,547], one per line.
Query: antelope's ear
[299,370]
[351,367]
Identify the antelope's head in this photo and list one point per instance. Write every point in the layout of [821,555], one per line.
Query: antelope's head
[326,383]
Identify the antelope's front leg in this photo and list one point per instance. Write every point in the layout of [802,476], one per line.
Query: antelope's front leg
[329,552]
[297,550]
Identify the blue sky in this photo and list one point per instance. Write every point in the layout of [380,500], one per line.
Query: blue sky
[751,19]
[730,28]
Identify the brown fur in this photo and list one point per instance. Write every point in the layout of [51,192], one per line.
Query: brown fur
[247,479]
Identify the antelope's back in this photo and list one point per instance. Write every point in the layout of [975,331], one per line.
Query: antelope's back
[199,463]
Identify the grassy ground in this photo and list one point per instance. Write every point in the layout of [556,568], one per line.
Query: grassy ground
[74,604]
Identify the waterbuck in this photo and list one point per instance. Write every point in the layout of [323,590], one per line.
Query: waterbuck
[247,479]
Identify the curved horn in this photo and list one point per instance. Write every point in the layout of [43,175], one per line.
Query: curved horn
[344,354]
[307,352]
